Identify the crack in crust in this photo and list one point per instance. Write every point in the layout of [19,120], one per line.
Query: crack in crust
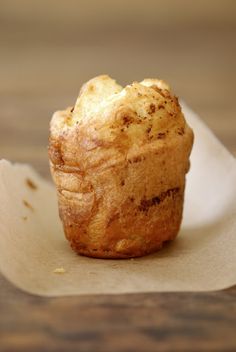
[145,204]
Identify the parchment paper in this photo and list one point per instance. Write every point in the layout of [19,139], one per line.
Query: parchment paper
[35,256]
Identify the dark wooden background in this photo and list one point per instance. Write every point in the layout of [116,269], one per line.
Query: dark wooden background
[48,49]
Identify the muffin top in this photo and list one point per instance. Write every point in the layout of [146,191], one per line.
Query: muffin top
[113,122]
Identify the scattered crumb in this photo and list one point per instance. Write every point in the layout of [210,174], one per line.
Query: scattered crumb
[31,184]
[59,271]
[24,218]
[114,265]
[27,204]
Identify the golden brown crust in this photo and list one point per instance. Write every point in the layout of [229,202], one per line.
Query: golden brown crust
[120,169]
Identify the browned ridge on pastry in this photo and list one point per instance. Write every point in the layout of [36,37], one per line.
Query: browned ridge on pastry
[119,159]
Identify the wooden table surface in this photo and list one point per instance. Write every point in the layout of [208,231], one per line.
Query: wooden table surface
[41,70]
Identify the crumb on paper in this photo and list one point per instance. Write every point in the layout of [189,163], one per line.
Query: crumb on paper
[24,218]
[59,271]
[31,184]
[27,204]
[114,265]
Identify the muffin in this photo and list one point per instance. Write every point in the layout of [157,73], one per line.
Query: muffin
[118,159]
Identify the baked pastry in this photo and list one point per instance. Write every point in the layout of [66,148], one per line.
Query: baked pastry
[119,159]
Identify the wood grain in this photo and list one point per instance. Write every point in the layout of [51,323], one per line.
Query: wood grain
[44,61]
[141,322]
